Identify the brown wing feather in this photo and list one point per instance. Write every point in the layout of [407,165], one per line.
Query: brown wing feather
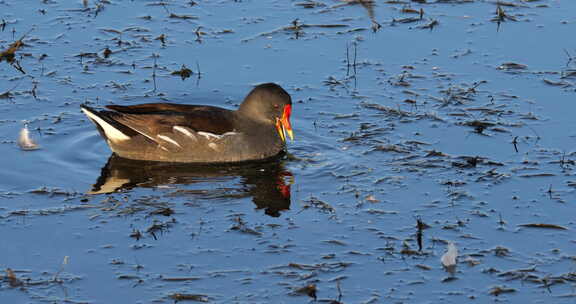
[161,117]
[155,108]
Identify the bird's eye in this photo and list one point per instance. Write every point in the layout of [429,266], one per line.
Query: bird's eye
[276,106]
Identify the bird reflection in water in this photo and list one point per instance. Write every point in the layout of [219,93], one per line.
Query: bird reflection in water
[268,183]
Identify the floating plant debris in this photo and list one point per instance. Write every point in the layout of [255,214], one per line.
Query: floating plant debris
[9,54]
[449,258]
[189,297]
[26,142]
[543,226]
[184,72]
[498,290]
[512,66]
[309,290]
[420,124]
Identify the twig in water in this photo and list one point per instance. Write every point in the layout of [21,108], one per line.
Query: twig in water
[339,292]
[348,64]
[355,53]
[64,263]
[165,8]
[154,71]
[376,26]
[537,136]
[199,73]
[501,222]
[198,34]
[33,91]
[570,58]
[347,61]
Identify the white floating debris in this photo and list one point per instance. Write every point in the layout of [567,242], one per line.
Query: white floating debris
[449,258]
[25,142]
[372,199]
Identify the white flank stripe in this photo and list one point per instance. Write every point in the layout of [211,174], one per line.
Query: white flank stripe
[185,131]
[170,140]
[209,135]
[111,132]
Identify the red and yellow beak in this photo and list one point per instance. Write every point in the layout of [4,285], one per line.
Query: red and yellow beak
[283,124]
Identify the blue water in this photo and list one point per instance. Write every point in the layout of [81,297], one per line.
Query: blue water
[359,173]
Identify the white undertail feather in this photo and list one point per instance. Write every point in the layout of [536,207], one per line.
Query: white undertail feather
[112,133]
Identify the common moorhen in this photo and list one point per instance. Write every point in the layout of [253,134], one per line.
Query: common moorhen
[198,133]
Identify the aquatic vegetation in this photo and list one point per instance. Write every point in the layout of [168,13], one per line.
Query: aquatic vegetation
[420,123]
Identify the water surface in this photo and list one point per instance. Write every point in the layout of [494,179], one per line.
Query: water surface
[453,119]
